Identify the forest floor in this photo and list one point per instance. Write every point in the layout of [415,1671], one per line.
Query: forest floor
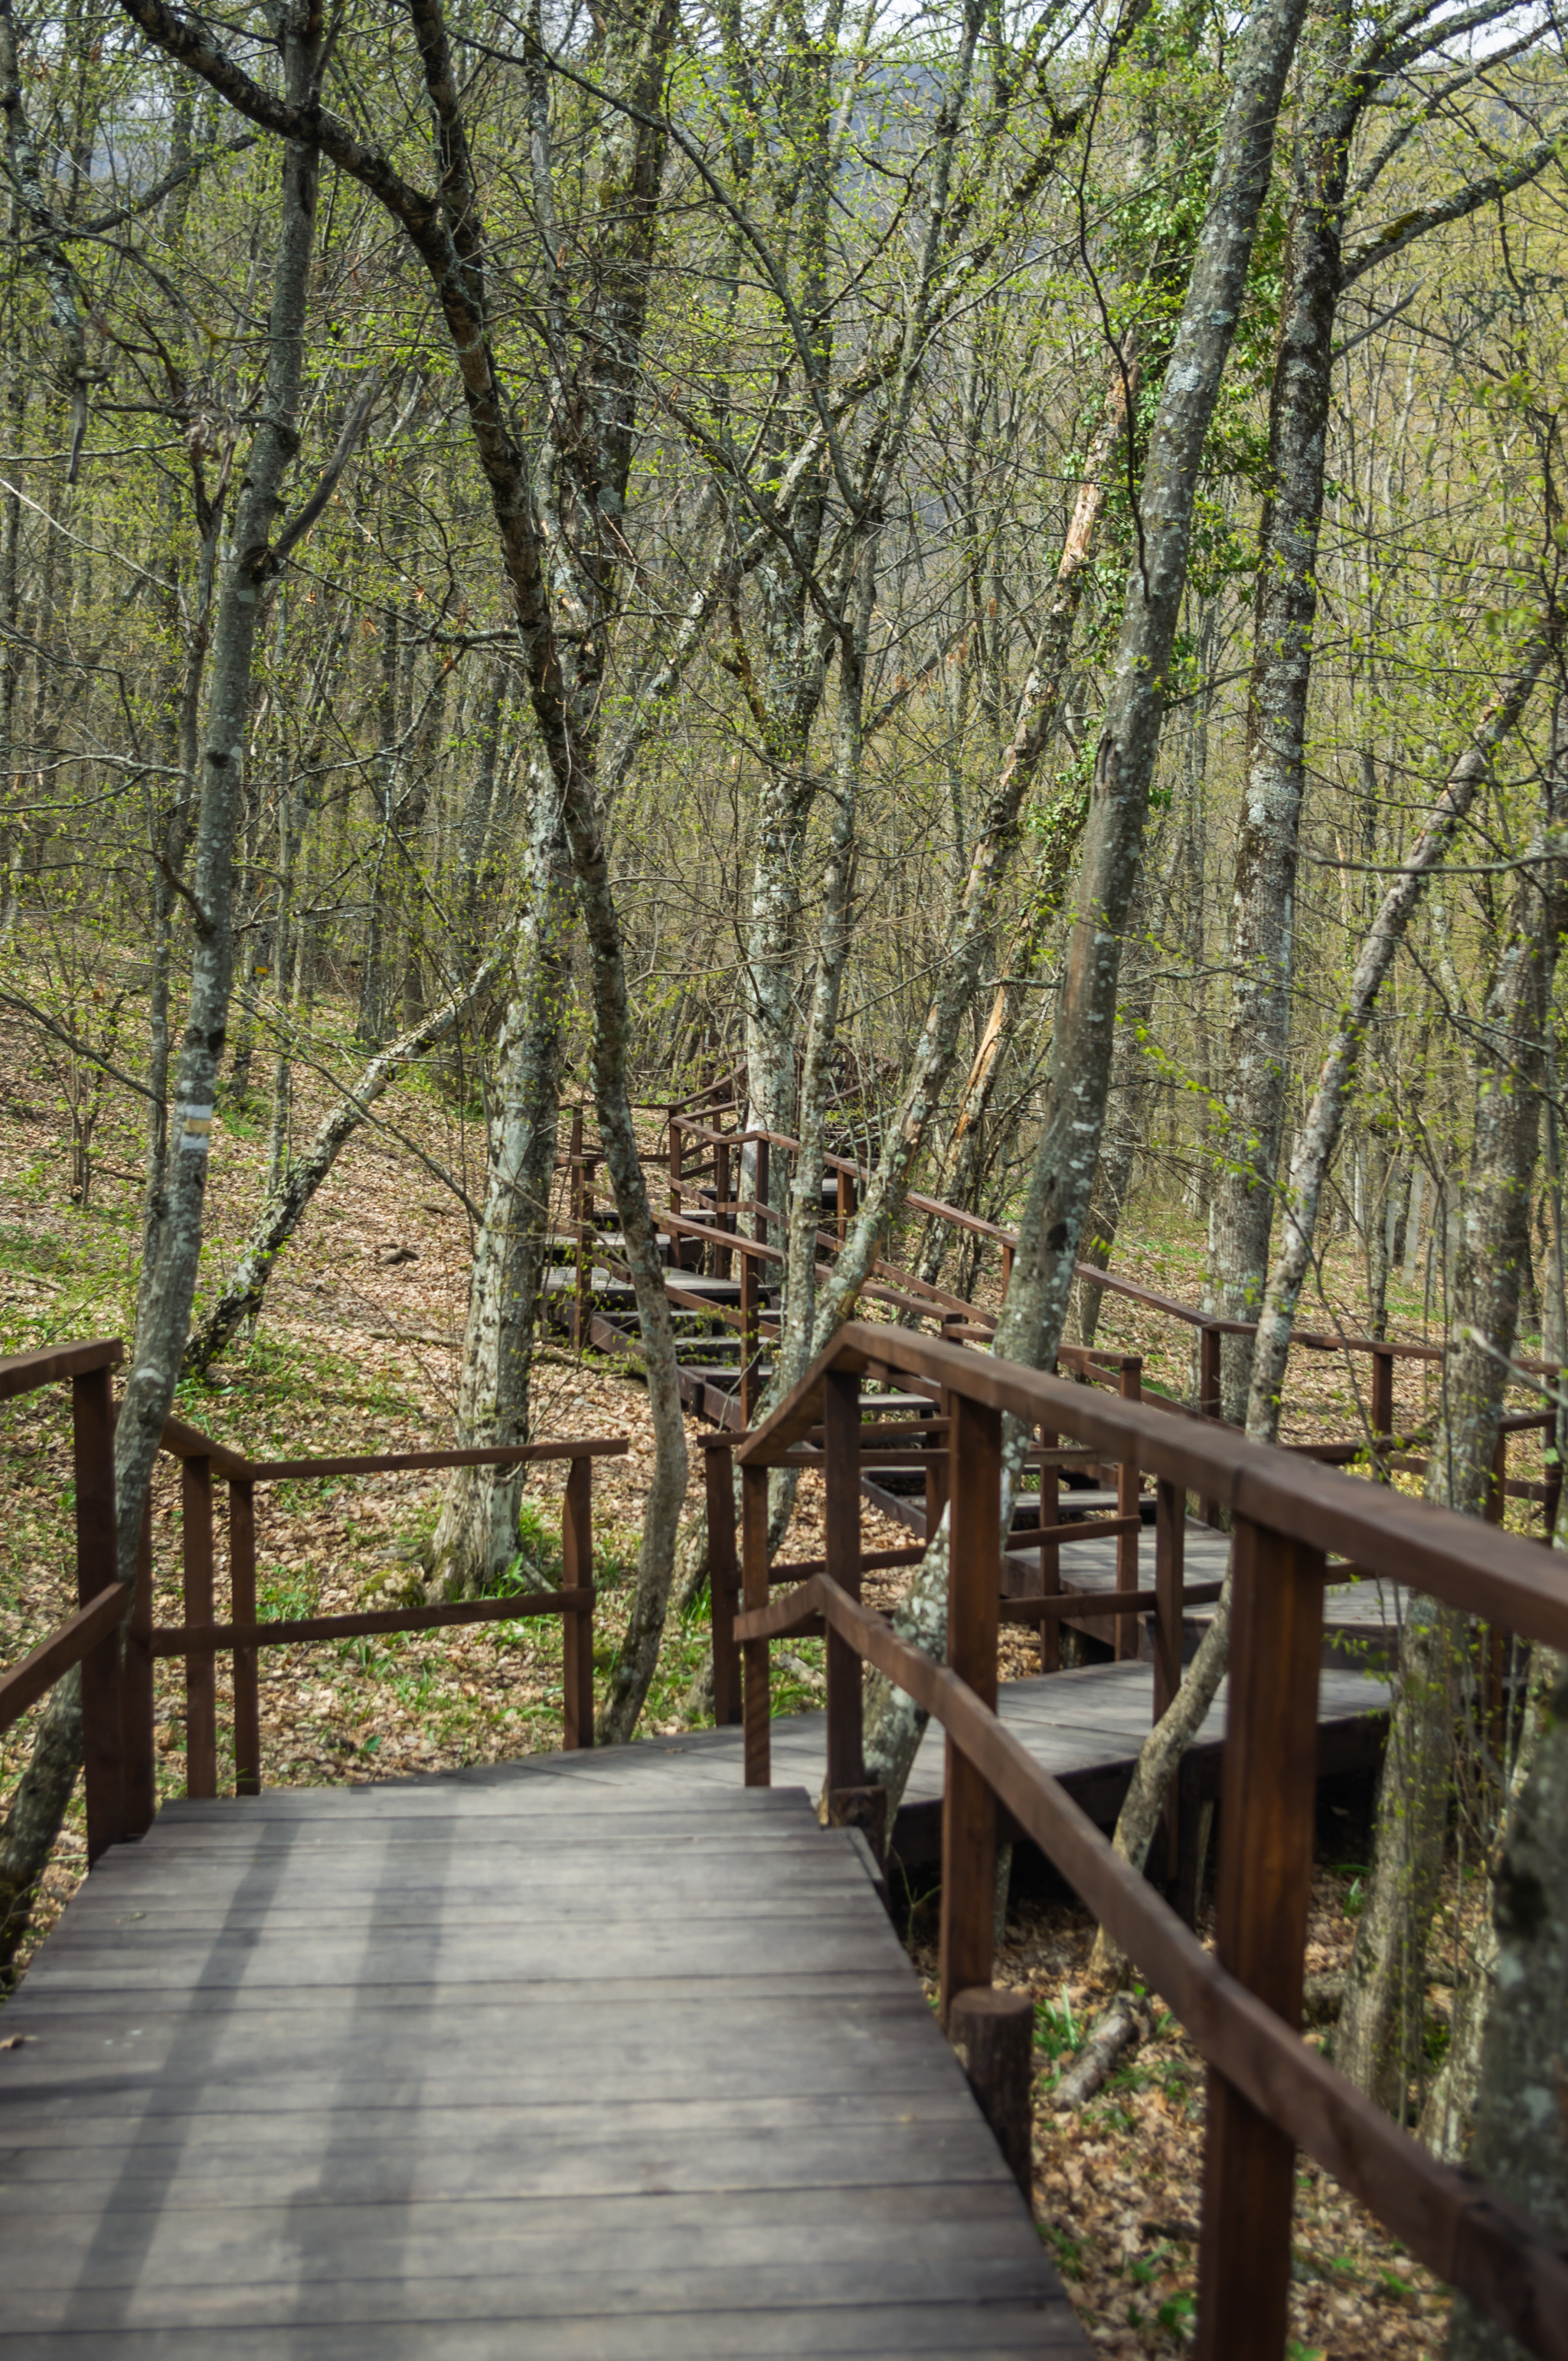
[356,1352]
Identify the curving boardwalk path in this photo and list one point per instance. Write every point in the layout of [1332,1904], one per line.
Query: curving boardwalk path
[571,2058]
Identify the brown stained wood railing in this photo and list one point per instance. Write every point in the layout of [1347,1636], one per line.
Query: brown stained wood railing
[1269,2094]
[113,1636]
[91,1636]
[199,1638]
[1376,1446]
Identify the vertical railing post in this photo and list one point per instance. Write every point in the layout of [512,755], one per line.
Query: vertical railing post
[938,1458]
[140,1787]
[754,1654]
[1269,1785]
[1131,1387]
[1382,1392]
[723,1580]
[576,1201]
[93,1456]
[1007,1251]
[1209,1398]
[841,1548]
[749,1336]
[760,1226]
[1169,1582]
[969,1809]
[1050,1558]
[1553,1464]
[846,1202]
[577,1627]
[722,1220]
[201,1665]
[1494,1650]
[677,1164]
[242,1607]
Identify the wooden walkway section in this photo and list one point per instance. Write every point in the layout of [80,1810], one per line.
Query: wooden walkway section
[579,2057]
[1084,1728]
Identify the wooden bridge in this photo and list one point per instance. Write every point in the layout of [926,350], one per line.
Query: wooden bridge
[616,2049]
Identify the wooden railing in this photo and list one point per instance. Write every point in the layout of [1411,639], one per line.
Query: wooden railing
[1269,2094]
[90,1637]
[114,1637]
[706,1216]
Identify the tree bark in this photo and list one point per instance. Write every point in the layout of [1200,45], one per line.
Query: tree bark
[37,1810]
[1060,1185]
[1162,1752]
[1057,1205]
[1262,919]
[1379,2040]
[477,1535]
[1521,2145]
[165,1313]
[990,860]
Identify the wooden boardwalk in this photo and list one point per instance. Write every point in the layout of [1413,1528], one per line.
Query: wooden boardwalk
[1084,1728]
[578,2057]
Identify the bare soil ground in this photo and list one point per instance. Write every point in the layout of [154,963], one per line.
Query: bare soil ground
[356,1351]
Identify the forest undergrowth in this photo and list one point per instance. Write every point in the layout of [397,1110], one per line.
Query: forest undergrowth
[356,1353]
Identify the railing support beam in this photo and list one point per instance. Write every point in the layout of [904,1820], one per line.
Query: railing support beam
[246,1675]
[968,1807]
[93,1452]
[1264,1885]
[577,1627]
[201,1683]
[754,1654]
[841,1549]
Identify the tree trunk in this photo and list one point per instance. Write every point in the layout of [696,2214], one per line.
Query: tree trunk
[1056,1206]
[1521,2145]
[477,1535]
[1162,1751]
[989,859]
[1379,2040]
[1263,922]
[37,1810]
[162,1332]
[1126,1128]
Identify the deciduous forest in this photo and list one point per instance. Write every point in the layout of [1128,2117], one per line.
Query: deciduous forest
[979,586]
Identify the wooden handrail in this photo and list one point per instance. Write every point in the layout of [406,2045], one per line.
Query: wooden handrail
[208,1639]
[36,1674]
[27,1373]
[1269,2094]
[1112,1282]
[1479,1568]
[117,1691]
[1467,2234]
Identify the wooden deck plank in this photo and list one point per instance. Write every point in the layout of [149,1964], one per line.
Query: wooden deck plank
[513,2063]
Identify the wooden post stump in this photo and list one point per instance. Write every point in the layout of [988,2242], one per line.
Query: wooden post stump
[865,1808]
[994,2032]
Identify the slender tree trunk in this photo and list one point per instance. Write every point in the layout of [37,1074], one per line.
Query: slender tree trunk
[1378,2042]
[37,1810]
[989,858]
[1521,2145]
[165,1308]
[1056,1206]
[1163,1748]
[1125,1121]
[1263,921]
[477,1535]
